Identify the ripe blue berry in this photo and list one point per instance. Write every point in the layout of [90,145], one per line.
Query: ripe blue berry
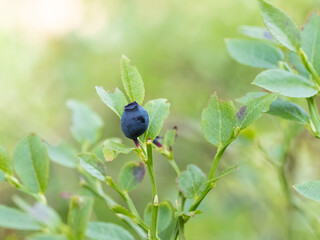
[134,120]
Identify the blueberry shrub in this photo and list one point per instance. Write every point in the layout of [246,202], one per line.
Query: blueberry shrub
[292,59]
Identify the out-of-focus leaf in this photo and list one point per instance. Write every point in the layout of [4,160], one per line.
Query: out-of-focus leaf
[63,154]
[298,65]
[170,137]
[165,215]
[191,214]
[192,182]
[113,146]
[218,120]
[281,26]
[251,112]
[254,53]
[2,176]
[47,237]
[5,161]
[256,32]
[132,81]
[78,217]
[31,163]
[131,174]
[15,219]
[107,231]
[86,124]
[250,96]
[288,110]
[225,172]
[115,101]
[311,40]
[158,111]
[286,83]
[118,209]
[309,189]
[93,165]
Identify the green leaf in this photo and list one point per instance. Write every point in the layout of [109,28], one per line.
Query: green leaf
[86,124]
[118,209]
[31,163]
[45,215]
[131,174]
[255,32]
[15,219]
[132,81]
[93,165]
[107,231]
[5,161]
[158,111]
[63,154]
[281,26]
[191,214]
[48,237]
[254,53]
[309,189]
[115,101]
[298,65]
[311,40]
[165,215]
[113,147]
[286,83]
[250,96]
[192,182]
[218,120]
[249,113]
[170,137]
[289,110]
[78,217]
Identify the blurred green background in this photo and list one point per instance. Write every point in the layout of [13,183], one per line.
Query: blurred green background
[51,51]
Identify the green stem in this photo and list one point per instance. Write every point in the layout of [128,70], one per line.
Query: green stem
[174,166]
[155,203]
[309,66]
[125,196]
[314,115]
[181,229]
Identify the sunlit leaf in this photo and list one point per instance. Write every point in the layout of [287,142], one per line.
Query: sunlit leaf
[113,147]
[93,165]
[63,154]
[309,189]
[256,32]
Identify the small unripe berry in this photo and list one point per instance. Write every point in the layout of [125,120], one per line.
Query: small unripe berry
[134,120]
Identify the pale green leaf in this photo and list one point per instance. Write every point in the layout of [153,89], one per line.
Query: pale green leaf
[93,165]
[254,53]
[63,154]
[309,189]
[311,40]
[131,174]
[48,237]
[15,219]
[158,111]
[118,209]
[250,96]
[115,101]
[192,182]
[255,32]
[170,137]
[113,147]
[5,161]
[86,124]
[289,110]
[281,26]
[31,163]
[165,215]
[218,120]
[286,83]
[107,231]
[78,217]
[298,65]
[251,112]
[132,81]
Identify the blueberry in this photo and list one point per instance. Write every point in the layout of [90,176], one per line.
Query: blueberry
[134,120]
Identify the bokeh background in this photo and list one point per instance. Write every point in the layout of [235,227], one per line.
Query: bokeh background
[51,51]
